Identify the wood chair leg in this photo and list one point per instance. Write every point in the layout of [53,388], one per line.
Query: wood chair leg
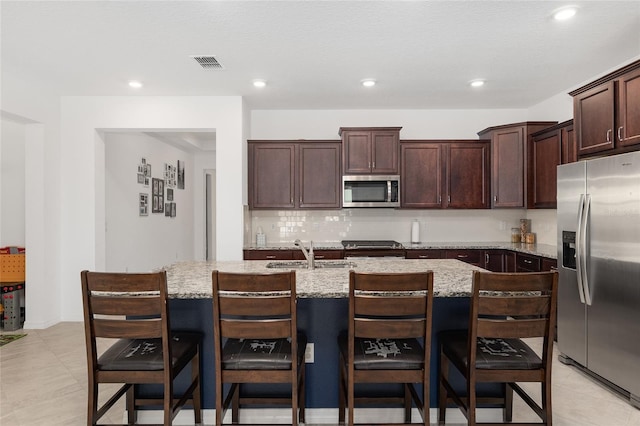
[235,405]
[341,394]
[92,406]
[508,402]
[302,395]
[407,403]
[131,405]
[546,402]
[443,374]
[197,396]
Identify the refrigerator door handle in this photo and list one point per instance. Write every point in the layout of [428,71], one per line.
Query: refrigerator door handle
[585,278]
[579,239]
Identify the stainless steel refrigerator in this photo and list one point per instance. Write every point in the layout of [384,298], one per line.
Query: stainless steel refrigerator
[599,266]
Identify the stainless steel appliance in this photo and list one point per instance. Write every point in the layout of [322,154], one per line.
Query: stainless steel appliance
[371,191]
[372,248]
[599,254]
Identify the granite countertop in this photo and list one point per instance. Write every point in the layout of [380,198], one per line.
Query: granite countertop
[192,279]
[544,250]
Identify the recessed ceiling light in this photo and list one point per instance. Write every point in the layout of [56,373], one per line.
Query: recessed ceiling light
[476,83]
[565,13]
[135,84]
[259,83]
[368,82]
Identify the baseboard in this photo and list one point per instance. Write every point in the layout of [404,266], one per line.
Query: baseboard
[319,416]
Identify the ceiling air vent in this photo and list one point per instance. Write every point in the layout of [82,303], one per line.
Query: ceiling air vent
[208,62]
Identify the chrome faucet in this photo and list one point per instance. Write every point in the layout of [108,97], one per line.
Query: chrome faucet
[311,260]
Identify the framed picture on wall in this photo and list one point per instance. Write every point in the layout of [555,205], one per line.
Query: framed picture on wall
[157,188]
[143,201]
[180,174]
[169,194]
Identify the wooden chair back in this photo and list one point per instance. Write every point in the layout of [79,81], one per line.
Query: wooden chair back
[514,306]
[390,305]
[125,306]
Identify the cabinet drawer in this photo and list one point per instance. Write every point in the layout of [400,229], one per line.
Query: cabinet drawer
[424,254]
[320,254]
[268,255]
[527,263]
[473,257]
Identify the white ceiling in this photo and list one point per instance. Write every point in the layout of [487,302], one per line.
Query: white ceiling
[314,54]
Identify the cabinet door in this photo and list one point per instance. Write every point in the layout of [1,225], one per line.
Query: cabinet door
[508,167]
[546,157]
[319,184]
[474,257]
[547,264]
[357,152]
[494,260]
[384,152]
[272,168]
[422,174]
[568,145]
[628,131]
[467,183]
[594,123]
[423,254]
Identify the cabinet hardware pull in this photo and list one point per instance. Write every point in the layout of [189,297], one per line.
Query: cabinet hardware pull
[609,135]
[291,200]
[449,199]
[495,198]
[528,261]
[319,256]
[374,165]
[270,257]
[486,258]
[462,256]
[423,256]
[439,199]
[620,137]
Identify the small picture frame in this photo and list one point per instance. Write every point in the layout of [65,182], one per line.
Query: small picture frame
[169,194]
[143,200]
[141,178]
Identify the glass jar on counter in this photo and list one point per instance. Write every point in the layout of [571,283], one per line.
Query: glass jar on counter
[515,235]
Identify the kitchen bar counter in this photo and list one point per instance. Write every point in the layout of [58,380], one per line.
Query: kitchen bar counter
[544,250]
[192,280]
[322,313]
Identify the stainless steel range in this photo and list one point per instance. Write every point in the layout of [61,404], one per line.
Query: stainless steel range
[372,248]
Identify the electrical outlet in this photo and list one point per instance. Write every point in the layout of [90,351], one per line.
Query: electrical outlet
[308,354]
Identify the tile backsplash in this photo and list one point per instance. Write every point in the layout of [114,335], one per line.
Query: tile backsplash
[284,226]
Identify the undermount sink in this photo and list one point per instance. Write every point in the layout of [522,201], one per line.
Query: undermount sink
[303,264]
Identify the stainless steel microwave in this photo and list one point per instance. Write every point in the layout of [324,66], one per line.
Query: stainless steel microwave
[371,191]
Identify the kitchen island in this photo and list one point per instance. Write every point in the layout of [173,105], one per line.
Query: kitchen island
[322,311]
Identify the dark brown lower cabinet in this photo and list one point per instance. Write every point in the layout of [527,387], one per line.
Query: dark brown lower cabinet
[424,254]
[494,260]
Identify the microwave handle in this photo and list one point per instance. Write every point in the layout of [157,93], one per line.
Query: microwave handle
[388,190]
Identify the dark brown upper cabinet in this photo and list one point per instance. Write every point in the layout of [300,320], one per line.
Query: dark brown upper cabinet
[549,148]
[294,175]
[444,174]
[509,161]
[607,113]
[370,150]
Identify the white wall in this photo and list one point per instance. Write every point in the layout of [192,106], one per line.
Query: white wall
[84,119]
[137,243]
[29,101]
[12,184]
[416,124]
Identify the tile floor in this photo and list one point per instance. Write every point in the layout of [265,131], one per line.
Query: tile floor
[43,382]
